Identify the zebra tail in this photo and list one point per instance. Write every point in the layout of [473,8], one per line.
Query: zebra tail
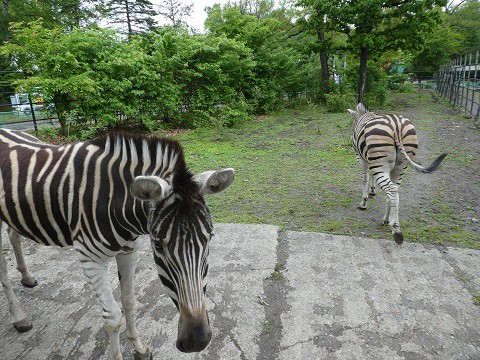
[424,169]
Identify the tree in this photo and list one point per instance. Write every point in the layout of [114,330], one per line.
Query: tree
[135,15]
[90,73]
[464,21]
[314,20]
[374,26]
[175,11]
[459,33]
[279,64]
[258,8]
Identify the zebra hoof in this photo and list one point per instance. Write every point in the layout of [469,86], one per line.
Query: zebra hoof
[147,356]
[29,283]
[398,237]
[362,207]
[23,325]
[371,195]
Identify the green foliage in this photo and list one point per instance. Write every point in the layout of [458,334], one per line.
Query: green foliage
[376,86]
[373,26]
[339,102]
[459,33]
[464,20]
[277,71]
[133,16]
[395,82]
[252,58]
[94,75]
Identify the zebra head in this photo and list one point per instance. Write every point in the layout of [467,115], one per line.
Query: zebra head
[358,113]
[180,228]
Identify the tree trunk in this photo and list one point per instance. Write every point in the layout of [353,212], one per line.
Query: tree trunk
[129,22]
[362,82]
[59,101]
[324,64]
[5,7]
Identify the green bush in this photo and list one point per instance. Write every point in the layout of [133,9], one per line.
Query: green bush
[339,103]
[395,82]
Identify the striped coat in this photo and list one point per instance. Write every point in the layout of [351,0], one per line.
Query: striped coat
[385,145]
[99,196]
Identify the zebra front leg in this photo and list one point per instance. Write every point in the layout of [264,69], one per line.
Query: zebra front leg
[98,280]
[15,239]
[126,264]
[21,323]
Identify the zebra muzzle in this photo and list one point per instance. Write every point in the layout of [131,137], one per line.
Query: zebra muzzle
[194,332]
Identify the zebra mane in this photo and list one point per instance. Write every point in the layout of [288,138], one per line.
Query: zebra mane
[182,182]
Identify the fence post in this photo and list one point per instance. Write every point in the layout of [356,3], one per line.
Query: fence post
[31,107]
[462,72]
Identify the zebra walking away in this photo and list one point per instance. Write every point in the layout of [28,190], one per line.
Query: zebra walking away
[385,145]
[99,196]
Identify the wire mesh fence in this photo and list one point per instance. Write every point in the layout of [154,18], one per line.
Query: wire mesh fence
[459,82]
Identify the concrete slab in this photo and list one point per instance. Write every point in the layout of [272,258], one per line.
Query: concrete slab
[353,298]
[67,321]
[272,295]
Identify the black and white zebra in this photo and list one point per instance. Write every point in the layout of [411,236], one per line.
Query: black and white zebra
[99,196]
[385,145]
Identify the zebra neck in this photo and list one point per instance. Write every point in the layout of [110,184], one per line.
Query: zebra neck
[364,119]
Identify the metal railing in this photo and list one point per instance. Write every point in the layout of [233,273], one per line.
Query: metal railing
[459,82]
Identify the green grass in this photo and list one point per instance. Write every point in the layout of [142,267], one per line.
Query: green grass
[291,168]
[296,169]
[476,299]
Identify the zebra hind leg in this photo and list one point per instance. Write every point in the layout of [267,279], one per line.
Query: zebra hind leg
[396,176]
[27,279]
[371,185]
[391,213]
[21,323]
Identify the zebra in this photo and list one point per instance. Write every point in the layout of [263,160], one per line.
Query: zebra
[385,145]
[99,196]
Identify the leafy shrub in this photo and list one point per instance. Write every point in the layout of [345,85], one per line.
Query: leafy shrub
[395,82]
[337,103]
[406,88]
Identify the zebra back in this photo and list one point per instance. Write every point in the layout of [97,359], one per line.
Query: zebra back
[81,192]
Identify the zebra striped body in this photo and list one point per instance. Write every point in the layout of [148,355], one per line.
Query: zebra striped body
[385,145]
[99,196]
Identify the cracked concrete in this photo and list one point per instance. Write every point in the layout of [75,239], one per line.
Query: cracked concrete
[272,295]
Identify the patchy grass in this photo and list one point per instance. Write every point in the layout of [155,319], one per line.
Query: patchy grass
[296,169]
[292,169]
[476,299]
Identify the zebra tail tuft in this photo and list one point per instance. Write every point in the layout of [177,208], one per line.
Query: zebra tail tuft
[425,169]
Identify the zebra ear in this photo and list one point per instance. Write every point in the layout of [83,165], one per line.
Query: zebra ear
[150,188]
[212,182]
[352,112]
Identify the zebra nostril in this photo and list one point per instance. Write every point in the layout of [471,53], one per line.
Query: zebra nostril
[194,338]
[180,346]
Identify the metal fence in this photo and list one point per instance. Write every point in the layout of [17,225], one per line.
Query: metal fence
[459,82]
